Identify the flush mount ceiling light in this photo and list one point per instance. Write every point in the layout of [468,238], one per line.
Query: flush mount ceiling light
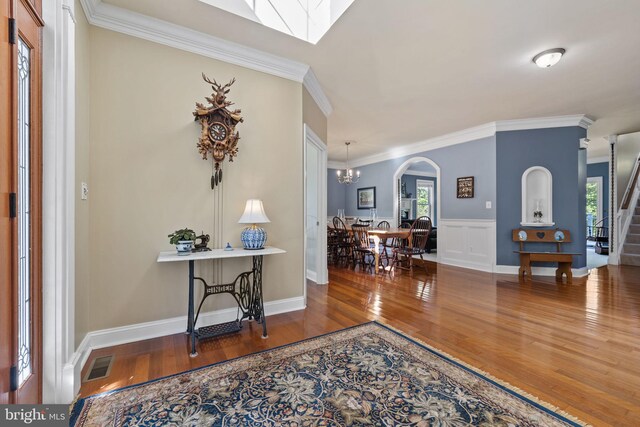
[549,57]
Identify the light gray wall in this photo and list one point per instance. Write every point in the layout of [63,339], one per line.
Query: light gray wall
[557,150]
[475,158]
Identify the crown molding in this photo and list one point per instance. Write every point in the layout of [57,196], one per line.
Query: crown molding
[471,134]
[580,120]
[459,137]
[156,30]
[312,84]
[334,164]
[601,159]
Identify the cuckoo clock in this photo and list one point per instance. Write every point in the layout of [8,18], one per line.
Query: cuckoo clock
[219,137]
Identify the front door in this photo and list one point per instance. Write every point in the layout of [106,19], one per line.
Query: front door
[20,202]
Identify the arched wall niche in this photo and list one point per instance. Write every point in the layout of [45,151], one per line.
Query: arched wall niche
[537,197]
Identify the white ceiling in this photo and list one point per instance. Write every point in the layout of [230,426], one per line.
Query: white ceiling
[400,72]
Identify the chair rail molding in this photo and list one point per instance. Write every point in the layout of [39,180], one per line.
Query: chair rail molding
[145,27]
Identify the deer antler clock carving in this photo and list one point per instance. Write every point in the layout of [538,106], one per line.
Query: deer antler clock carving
[219,137]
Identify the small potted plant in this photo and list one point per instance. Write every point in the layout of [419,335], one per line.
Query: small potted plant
[183,239]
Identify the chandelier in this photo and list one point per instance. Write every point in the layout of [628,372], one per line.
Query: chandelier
[346,176]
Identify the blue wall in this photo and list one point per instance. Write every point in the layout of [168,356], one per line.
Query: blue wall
[410,180]
[336,194]
[601,169]
[475,158]
[557,150]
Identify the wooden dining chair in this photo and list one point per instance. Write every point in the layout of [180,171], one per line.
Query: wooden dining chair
[362,246]
[342,242]
[386,245]
[367,222]
[405,252]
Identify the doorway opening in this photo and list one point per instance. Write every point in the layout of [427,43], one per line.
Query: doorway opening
[315,207]
[597,225]
[416,192]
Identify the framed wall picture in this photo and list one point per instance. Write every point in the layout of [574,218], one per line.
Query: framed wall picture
[366,198]
[465,187]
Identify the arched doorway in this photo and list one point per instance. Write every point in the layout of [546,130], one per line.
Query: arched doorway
[402,169]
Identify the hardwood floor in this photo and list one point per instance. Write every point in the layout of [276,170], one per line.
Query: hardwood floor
[575,346]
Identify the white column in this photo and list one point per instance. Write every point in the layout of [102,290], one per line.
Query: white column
[60,381]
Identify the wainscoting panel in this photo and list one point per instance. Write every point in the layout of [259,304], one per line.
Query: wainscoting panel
[467,243]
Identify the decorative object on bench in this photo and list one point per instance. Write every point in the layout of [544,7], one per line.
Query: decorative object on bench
[201,246]
[219,136]
[537,196]
[557,236]
[253,237]
[465,187]
[183,239]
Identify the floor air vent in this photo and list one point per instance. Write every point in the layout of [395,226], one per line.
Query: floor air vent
[100,368]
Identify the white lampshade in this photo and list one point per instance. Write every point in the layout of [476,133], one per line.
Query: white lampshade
[253,213]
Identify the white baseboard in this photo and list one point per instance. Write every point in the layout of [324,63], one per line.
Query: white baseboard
[539,271]
[466,264]
[158,328]
[311,275]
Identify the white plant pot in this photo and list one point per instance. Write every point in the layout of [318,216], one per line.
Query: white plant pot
[184,247]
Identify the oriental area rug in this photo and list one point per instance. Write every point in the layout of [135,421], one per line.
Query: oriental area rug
[365,375]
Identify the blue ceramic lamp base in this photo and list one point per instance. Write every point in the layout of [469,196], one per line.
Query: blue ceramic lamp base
[253,237]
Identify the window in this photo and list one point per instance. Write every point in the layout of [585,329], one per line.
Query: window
[425,197]
[594,203]
[307,20]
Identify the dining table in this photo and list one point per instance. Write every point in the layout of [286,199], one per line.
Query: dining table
[378,234]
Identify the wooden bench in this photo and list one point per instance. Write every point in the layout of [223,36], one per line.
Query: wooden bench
[557,236]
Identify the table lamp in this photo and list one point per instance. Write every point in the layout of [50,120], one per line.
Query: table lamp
[253,237]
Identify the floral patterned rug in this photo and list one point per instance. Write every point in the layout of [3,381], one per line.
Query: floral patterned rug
[364,375]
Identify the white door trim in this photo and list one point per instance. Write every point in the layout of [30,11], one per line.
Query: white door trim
[61,377]
[396,176]
[322,275]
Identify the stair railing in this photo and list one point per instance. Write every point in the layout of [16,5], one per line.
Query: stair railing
[628,206]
